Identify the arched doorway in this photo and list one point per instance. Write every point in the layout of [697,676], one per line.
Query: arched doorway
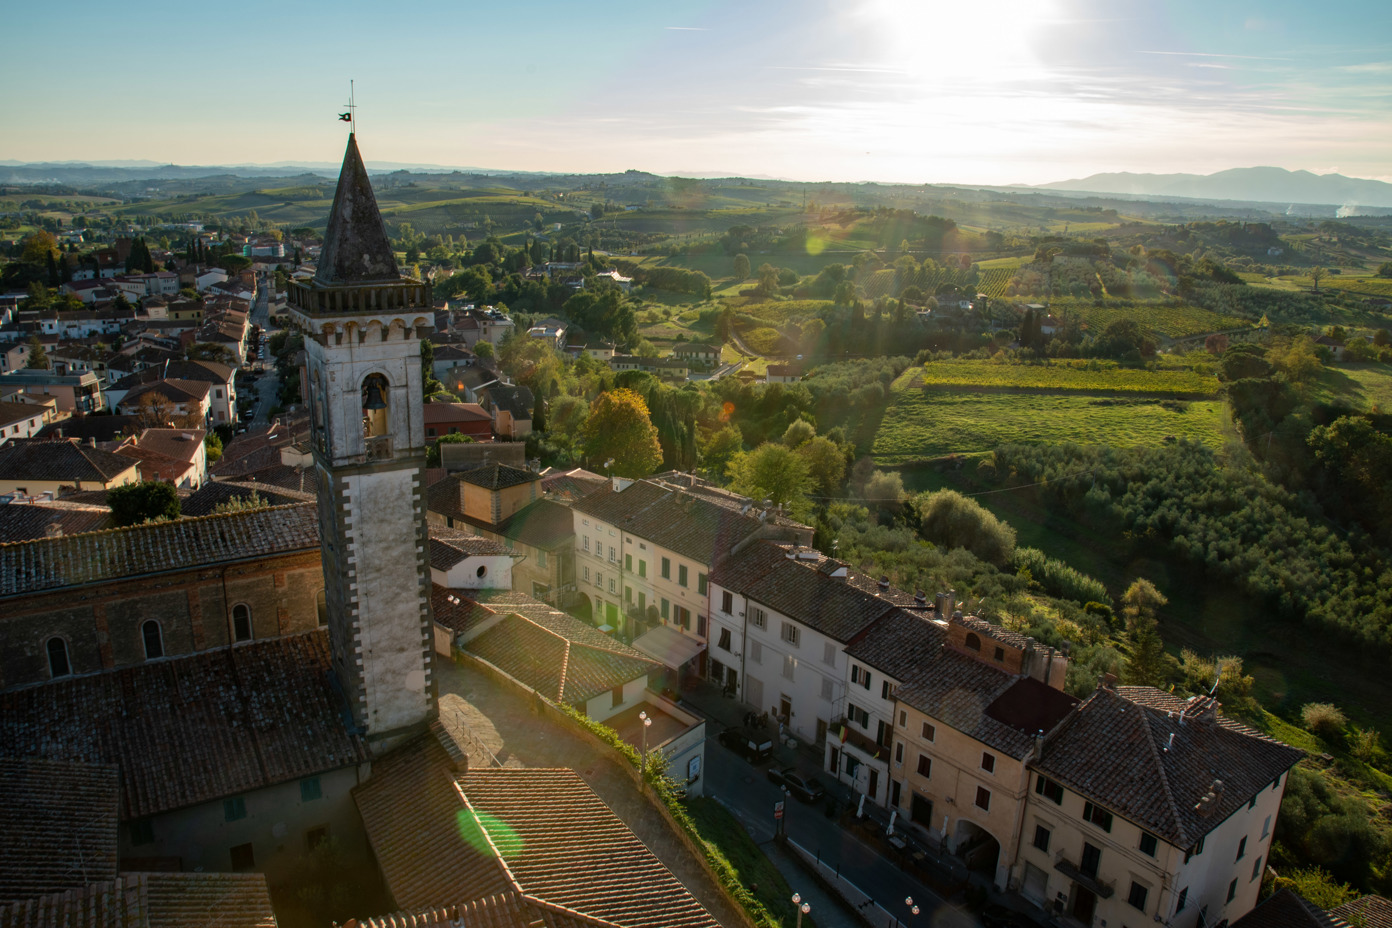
[976,847]
[582,608]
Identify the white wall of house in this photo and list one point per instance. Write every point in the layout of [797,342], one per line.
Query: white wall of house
[478,572]
[603,706]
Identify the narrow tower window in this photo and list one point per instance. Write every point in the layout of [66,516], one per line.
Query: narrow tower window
[154,640]
[241,622]
[58,665]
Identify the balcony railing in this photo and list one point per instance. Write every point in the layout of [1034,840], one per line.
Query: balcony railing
[857,739]
[1104,889]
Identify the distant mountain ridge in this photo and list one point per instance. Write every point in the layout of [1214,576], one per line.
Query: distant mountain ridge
[1261,184]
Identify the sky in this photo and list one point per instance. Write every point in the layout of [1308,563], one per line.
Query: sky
[914,91]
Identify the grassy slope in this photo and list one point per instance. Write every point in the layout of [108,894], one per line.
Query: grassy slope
[718,827]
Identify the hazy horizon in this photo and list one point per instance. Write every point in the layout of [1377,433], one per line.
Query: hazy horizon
[992,93]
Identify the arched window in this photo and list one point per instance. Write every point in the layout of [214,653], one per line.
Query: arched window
[972,641]
[241,622]
[58,665]
[374,405]
[154,640]
[321,604]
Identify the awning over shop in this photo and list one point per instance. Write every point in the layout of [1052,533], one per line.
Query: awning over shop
[669,646]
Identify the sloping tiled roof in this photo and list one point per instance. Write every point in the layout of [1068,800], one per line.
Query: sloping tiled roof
[57,826]
[176,391]
[413,817]
[764,573]
[497,476]
[23,523]
[41,459]
[214,493]
[571,484]
[517,400]
[569,849]
[542,524]
[1115,750]
[1366,912]
[192,729]
[1288,909]
[10,413]
[690,525]
[99,428]
[450,546]
[898,643]
[52,563]
[994,632]
[436,413]
[182,444]
[560,656]
[152,900]
[505,910]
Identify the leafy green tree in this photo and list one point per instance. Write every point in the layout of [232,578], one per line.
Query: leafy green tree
[1316,275]
[952,520]
[826,463]
[774,472]
[742,267]
[484,350]
[719,448]
[539,413]
[146,501]
[620,430]
[799,433]
[212,448]
[38,247]
[1385,269]
[768,279]
[38,355]
[233,264]
[1146,664]
[1316,885]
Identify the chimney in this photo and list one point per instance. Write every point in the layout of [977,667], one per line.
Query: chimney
[1109,681]
[884,584]
[1169,742]
[920,598]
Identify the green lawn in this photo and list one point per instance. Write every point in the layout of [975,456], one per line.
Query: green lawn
[922,424]
[1096,376]
[723,831]
[1362,386]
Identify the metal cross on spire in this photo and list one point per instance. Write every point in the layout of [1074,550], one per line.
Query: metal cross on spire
[350,117]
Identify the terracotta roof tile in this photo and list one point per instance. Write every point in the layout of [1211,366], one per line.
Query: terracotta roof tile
[450,546]
[1366,912]
[182,444]
[560,656]
[504,910]
[1116,750]
[38,458]
[1287,909]
[692,525]
[57,826]
[152,900]
[24,523]
[192,729]
[497,476]
[53,563]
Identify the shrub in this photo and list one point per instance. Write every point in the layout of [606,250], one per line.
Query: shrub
[950,519]
[147,501]
[1323,718]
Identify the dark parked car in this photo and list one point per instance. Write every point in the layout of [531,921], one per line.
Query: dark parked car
[754,747]
[792,781]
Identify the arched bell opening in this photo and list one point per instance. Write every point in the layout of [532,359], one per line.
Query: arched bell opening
[375,411]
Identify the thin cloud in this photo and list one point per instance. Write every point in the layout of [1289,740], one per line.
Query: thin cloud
[687,28]
[1214,55]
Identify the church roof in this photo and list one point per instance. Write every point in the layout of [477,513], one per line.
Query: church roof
[57,826]
[356,248]
[192,729]
[152,900]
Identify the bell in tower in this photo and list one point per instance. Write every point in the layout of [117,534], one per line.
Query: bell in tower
[363,322]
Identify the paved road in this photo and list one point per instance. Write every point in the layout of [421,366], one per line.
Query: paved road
[747,792]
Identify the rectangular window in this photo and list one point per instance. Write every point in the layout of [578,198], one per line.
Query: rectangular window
[1041,838]
[899,752]
[587,575]
[628,563]
[316,836]
[724,644]
[702,584]
[681,575]
[628,593]
[311,789]
[1000,655]
[884,690]
[1092,859]
[1098,816]
[1137,897]
[1148,843]
[757,617]
[616,696]
[599,579]
[1256,868]
[929,732]
[1266,827]
[234,809]
[756,652]
[903,719]
[1232,890]
[666,568]
[142,832]
[243,858]
[790,633]
[541,558]
[666,609]
[682,617]
[643,569]
[1049,790]
[727,602]
[983,798]
[1182,901]
[1241,848]
[988,762]
[861,676]
[829,654]
[925,766]
[613,557]
[611,585]
[587,544]
[788,664]
[826,688]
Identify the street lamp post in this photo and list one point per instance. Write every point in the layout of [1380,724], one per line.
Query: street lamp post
[913,909]
[802,908]
[647,723]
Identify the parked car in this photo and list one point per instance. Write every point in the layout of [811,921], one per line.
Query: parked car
[754,747]
[793,782]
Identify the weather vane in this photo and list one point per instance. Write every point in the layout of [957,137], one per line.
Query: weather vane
[350,117]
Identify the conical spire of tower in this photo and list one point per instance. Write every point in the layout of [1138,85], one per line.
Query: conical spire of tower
[356,248]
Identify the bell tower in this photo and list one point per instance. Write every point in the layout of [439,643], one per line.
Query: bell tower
[363,322]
